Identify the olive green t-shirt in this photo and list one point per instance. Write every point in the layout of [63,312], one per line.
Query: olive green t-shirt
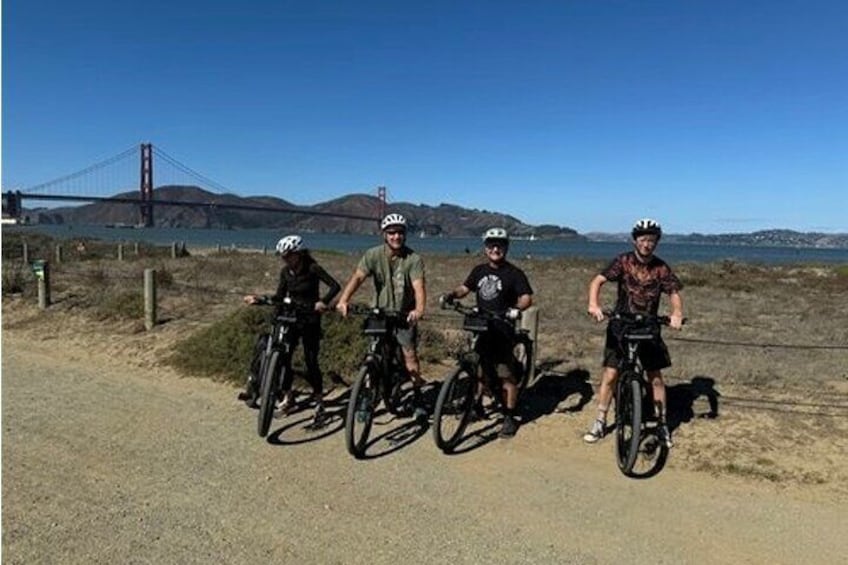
[393,276]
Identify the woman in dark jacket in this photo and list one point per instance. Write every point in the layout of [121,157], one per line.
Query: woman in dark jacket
[300,280]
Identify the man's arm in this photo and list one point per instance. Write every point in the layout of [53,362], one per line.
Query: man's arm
[524,301]
[420,291]
[676,300]
[594,308]
[356,280]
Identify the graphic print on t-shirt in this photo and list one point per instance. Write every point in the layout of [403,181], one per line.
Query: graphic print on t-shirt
[489,287]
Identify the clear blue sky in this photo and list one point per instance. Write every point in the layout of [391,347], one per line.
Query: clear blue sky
[712,116]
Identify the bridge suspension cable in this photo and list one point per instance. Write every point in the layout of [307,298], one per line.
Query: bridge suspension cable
[131,151]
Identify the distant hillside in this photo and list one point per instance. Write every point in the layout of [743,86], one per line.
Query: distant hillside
[763,238]
[444,219]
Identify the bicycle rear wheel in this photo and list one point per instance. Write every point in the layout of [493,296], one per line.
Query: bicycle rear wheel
[628,420]
[364,397]
[454,407]
[268,392]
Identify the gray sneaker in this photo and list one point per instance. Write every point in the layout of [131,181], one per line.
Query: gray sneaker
[665,436]
[596,433]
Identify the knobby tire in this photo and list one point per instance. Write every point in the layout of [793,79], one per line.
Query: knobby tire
[268,392]
[628,424]
[364,397]
[454,407]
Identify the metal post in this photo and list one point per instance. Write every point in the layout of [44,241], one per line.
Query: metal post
[44,287]
[120,252]
[149,299]
[530,321]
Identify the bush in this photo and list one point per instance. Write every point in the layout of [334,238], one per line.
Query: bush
[223,350]
[126,304]
[15,279]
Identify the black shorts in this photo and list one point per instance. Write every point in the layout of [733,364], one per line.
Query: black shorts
[497,357]
[653,354]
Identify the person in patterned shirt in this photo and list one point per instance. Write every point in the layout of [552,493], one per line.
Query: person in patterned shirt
[501,288]
[642,278]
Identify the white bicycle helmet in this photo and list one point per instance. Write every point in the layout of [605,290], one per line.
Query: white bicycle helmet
[496,234]
[393,220]
[289,244]
[646,226]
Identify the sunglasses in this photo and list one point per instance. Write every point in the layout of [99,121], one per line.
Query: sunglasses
[395,232]
[496,244]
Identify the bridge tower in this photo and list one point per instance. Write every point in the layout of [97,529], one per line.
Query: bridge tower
[146,186]
[381,196]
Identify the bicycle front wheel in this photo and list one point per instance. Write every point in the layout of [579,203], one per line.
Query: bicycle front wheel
[268,392]
[628,420]
[364,397]
[454,407]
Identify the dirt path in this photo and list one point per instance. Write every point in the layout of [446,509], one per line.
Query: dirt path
[106,464]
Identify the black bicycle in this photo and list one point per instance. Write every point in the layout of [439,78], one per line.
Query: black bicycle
[462,391]
[275,361]
[636,438]
[381,376]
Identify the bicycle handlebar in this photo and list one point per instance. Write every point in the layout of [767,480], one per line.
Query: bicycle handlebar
[642,318]
[363,310]
[474,310]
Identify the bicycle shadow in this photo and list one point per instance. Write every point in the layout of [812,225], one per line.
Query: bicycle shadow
[544,396]
[301,429]
[553,391]
[410,429]
[681,398]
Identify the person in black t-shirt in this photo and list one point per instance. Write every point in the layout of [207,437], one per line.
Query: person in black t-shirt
[501,288]
[300,280]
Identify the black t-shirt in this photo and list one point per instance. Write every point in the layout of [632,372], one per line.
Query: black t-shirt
[497,288]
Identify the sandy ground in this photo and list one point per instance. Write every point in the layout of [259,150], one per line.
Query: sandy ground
[110,457]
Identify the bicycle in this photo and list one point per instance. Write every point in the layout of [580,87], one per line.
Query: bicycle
[381,376]
[460,395]
[275,362]
[634,405]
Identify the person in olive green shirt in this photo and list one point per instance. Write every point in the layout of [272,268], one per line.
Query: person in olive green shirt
[398,274]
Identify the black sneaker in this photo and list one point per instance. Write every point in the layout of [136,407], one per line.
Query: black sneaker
[509,427]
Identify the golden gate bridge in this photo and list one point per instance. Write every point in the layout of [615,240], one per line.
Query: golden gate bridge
[115,180]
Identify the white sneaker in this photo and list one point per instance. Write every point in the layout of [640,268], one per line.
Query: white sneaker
[665,436]
[596,433]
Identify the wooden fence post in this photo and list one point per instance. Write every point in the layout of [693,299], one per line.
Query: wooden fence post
[120,252]
[149,299]
[42,271]
[135,248]
[25,252]
[58,253]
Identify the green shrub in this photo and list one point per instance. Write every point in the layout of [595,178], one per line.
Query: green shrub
[223,350]
[121,304]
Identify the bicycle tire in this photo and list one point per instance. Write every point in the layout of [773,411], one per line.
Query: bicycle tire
[267,393]
[628,421]
[364,398]
[454,407]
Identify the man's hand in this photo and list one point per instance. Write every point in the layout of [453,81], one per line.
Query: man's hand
[675,321]
[342,308]
[251,299]
[512,313]
[446,300]
[413,317]
[596,312]
[320,306]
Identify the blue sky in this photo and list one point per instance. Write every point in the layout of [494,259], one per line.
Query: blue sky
[712,116]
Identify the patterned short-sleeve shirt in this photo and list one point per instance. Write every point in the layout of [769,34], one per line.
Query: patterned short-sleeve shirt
[640,285]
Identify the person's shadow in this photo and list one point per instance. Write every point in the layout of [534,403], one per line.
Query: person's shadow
[681,400]
[556,392]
